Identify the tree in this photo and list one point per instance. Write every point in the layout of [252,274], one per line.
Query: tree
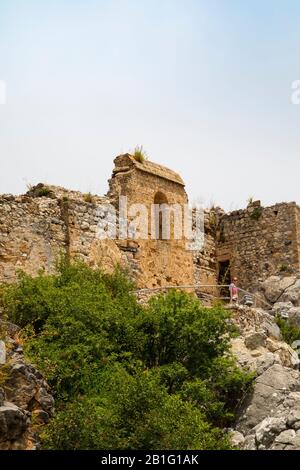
[126,376]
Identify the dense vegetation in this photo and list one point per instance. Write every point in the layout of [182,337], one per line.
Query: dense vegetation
[290,333]
[124,375]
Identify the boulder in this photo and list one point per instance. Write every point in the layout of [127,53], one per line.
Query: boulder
[270,328]
[294,316]
[270,389]
[255,340]
[242,354]
[24,399]
[278,446]
[237,438]
[10,329]
[21,385]
[292,293]
[265,361]
[250,442]
[45,400]
[294,443]
[288,357]
[293,419]
[13,422]
[268,429]
[292,401]
[286,437]
[280,378]
[282,309]
[275,286]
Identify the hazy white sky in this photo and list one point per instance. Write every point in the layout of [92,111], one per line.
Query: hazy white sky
[203,85]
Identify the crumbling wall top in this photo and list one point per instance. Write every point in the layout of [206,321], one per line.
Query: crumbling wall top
[58,192]
[127,162]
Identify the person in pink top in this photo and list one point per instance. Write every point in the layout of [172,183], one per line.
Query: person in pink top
[234,291]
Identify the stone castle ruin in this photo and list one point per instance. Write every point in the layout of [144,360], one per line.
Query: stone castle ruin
[254,243]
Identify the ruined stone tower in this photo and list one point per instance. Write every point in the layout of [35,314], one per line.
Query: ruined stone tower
[162,262]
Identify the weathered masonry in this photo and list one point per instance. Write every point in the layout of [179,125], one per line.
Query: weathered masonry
[257,242]
[35,229]
[161,262]
[48,221]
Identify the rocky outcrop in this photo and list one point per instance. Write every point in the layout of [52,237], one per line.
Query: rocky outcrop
[283,293]
[269,416]
[25,402]
[282,288]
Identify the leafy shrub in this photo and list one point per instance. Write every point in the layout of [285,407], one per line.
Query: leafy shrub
[88,197]
[44,192]
[179,329]
[40,190]
[256,213]
[124,375]
[289,332]
[139,154]
[132,412]
[282,268]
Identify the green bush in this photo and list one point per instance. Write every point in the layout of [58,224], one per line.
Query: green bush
[289,332]
[256,213]
[282,268]
[126,376]
[179,329]
[139,154]
[132,411]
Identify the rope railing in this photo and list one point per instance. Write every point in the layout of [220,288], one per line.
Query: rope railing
[203,286]
[255,297]
[189,286]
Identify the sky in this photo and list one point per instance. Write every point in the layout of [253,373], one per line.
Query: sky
[203,85]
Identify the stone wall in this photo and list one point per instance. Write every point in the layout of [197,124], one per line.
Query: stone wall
[36,230]
[32,234]
[258,242]
[83,219]
[251,244]
[205,261]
